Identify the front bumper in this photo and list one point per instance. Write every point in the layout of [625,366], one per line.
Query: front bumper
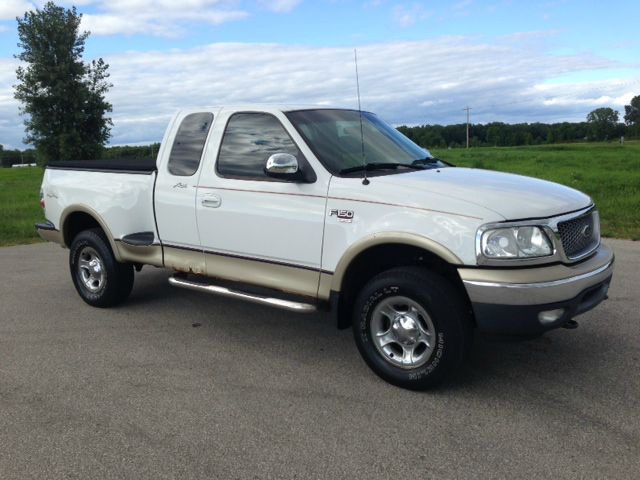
[511,301]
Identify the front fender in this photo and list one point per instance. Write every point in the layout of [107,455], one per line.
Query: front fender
[387,238]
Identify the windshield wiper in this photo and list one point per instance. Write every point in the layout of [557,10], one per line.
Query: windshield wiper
[422,161]
[381,166]
[430,161]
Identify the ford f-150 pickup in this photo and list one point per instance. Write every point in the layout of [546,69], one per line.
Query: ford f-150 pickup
[314,208]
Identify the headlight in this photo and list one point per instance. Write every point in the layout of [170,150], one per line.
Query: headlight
[515,242]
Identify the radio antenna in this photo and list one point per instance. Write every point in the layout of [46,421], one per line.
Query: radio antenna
[365,180]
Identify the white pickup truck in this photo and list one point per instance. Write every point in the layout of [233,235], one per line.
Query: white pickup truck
[310,208]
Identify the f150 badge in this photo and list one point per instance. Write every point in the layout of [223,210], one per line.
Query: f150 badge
[343,215]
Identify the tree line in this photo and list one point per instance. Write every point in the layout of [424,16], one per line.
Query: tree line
[602,124]
[8,158]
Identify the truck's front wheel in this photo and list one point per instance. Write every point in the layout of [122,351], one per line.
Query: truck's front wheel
[99,279]
[411,327]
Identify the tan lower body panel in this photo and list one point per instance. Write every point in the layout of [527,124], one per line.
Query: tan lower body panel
[324,289]
[146,255]
[288,279]
[54,236]
[182,260]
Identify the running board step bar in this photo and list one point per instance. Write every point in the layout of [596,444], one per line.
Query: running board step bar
[225,292]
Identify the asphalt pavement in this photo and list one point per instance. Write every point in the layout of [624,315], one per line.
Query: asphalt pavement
[179,384]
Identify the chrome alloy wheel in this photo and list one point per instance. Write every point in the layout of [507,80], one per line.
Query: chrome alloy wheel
[402,332]
[91,269]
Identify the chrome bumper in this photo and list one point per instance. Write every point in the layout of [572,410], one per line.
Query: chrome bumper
[48,232]
[537,285]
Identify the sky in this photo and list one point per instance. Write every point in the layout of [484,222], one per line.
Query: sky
[419,62]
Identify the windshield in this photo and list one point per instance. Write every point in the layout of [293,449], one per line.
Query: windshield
[334,136]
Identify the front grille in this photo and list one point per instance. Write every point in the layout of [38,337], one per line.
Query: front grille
[579,235]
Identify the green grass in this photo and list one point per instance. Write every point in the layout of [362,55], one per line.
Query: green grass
[608,172]
[19,205]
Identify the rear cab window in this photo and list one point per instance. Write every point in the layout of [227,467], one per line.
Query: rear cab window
[186,152]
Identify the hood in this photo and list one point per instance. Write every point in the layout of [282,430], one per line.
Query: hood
[513,197]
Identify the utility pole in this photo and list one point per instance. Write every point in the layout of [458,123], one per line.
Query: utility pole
[467,110]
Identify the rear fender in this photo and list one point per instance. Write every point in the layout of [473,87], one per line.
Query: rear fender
[64,227]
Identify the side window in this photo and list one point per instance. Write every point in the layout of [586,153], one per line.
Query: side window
[249,140]
[186,151]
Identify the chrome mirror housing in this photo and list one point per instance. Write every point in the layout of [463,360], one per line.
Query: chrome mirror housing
[282,164]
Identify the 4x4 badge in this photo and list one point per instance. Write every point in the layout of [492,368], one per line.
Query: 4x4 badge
[343,215]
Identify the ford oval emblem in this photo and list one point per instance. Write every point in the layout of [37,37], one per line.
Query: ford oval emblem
[586,231]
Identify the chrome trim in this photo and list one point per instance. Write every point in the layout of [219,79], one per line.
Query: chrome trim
[405,337]
[549,226]
[593,211]
[90,269]
[48,232]
[282,164]
[538,293]
[225,292]
[553,283]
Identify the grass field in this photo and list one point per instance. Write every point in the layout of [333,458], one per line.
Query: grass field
[19,205]
[610,173]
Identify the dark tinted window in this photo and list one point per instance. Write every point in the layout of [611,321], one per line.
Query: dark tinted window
[189,143]
[249,140]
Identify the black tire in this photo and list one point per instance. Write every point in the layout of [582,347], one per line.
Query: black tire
[439,341]
[111,283]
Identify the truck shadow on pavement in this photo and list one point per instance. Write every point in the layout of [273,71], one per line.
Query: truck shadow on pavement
[560,359]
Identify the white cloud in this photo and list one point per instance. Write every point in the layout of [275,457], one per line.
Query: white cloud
[462,4]
[410,82]
[614,93]
[407,16]
[165,18]
[10,9]
[11,130]
[168,18]
[280,6]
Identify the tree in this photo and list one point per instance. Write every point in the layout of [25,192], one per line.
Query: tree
[63,98]
[604,123]
[632,112]
[632,116]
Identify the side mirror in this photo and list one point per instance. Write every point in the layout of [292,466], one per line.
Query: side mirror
[285,166]
[281,165]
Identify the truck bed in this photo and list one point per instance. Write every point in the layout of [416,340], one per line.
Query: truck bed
[121,197]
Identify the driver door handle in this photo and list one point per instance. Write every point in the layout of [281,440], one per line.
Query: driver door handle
[211,201]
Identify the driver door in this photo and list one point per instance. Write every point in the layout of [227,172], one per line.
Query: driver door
[254,228]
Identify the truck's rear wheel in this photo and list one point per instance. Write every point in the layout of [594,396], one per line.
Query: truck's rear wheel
[99,279]
[411,327]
